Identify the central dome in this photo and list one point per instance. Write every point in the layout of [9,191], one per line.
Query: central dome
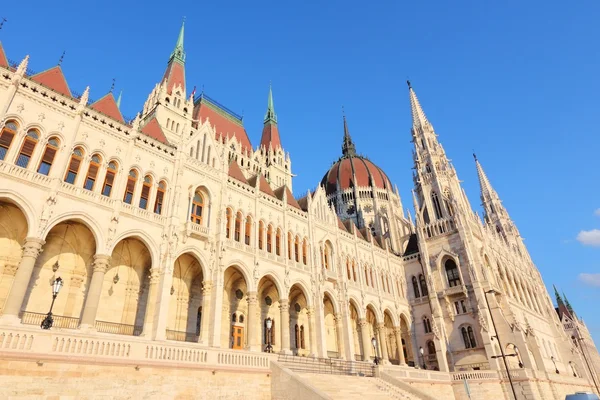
[352,170]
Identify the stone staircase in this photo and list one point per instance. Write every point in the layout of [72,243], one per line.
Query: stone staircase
[355,387]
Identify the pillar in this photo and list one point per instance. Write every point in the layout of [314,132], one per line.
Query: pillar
[310,312]
[10,269]
[31,250]
[284,307]
[364,331]
[207,287]
[90,310]
[382,336]
[151,304]
[253,322]
[398,334]
[339,329]
[74,292]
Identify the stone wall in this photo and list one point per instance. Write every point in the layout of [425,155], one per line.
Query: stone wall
[287,385]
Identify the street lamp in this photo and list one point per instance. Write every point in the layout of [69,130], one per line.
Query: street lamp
[374,343]
[269,323]
[47,322]
[421,351]
[554,362]
[503,356]
[518,356]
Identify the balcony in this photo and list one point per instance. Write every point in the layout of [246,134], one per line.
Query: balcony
[196,230]
[59,321]
[180,336]
[118,329]
[458,290]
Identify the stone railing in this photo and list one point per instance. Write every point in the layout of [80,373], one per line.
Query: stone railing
[97,347]
[31,318]
[439,227]
[118,329]
[474,375]
[403,372]
[181,336]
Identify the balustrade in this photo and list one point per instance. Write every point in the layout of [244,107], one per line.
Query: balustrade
[118,329]
[32,318]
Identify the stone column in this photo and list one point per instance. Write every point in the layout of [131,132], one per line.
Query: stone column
[31,250]
[151,302]
[398,333]
[310,312]
[10,269]
[253,322]
[90,310]
[207,287]
[382,338]
[74,292]
[285,326]
[366,340]
[339,328]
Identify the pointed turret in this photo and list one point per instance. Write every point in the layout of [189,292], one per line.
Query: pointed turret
[568,304]
[348,148]
[175,72]
[559,300]
[419,119]
[270,134]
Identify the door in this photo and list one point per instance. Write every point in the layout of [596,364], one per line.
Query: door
[238,337]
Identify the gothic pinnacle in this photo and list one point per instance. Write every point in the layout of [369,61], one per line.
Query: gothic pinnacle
[270,115]
[419,119]
[348,148]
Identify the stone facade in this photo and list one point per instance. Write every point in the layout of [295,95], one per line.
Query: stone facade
[170,227]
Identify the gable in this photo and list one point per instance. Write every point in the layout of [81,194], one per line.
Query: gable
[54,79]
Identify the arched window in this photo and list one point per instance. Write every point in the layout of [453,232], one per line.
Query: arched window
[426,325]
[160,197]
[6,137]
[436,205]
[297,249]
[48,156]
[430,347]
[366,276]
[348,269]
[74,164]
[289,245]
[92,173]
[304,252]
[415,284]
[145,195]
[468,337]
[302,337]
[238,226]
[327,256]
[423,284]
[278,242]
[452,273]
[229,216]
[270,238]
[373,282]
[248,230]
[234,318]
[130,187]
[297,336]
[27,148]
[261,234]
[353,271]
[109,178]
[197,208]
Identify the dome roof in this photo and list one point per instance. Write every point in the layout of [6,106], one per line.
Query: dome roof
[350,171]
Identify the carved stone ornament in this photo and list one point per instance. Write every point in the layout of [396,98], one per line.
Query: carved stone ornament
[435,329]
[61,125]
[41,117]
[47,212]
[20,107]
[118,150]
[256,273]
[482,320]
[286,280]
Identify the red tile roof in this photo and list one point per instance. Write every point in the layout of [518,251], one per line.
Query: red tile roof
[270,136]
[359,234]
[3,59]
[341,225]
[153,129]
[345,169]
[290,198]
[107,105]
[54,79]
[265,187]
[225,123]
[236,173]
[174,75]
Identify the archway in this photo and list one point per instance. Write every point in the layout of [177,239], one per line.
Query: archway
[300,328]
[13,231]
[407,348]
[389,338]
[331,332]
[68,253]
[185,305]
[235,309]
[356,331]
[124,294]
[268,301]
[371,319]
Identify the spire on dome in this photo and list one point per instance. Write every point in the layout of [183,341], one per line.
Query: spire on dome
[348,148]
[270,134]
[175,73]
[419,119]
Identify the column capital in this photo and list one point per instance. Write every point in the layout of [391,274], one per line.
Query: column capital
[310,311]
[380,326]
[362,322]
[10,269]
[154,276]
[207,286]
[32,247]
[252,297]
[76,280]
[337,318]
[397,330]
[284,305]
[101,263]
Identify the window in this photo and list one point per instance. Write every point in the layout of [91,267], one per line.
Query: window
[109,179]
[297,335]
[270,239]
[160,198]
[238,226]
[373,282]
[366,276]
[6,137]
[353,271]
[423,283]
[348,269]
[27,148]
[304,252]
[302,337]
[460,307]
[416,287]
[327,257]
[197,208]
[130,188]
[228,216]
[145,195]
[426,325]
[73,167]
[261,234]
[247,230]
[48,156]
[468,337]
[289,245]
[278,242]
[297,249]
[90,179]
[436,205]
[430,347]
[452,273]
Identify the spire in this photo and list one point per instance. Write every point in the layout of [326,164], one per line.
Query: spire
[487,192]
[175,72]
[270,134]
[178,52]
[559,300]
[348,148]
[568,304]
[119,99]
[419,119]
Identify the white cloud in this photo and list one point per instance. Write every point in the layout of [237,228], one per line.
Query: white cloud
[589,238]
[597,212]
[590,279]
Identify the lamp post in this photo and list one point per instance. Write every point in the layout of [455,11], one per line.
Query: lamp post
[47,322]
[581,346]
[422,352]
[518,356]
[503,356]
[269,323]
[554,362]
[374,343]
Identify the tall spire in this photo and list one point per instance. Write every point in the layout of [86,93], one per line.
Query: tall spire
[175,72]
[178,52]
[488,193]
[569,307]
[559,300]
[270,115]
[270,134]
[419,120]
[348,148]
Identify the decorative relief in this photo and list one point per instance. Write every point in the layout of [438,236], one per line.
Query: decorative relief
[112,230]
[47,212]
[118,150]
[20,108]
[61,125]
[85,136]
[102,143]
[138,158]
[41,117]
[166,170]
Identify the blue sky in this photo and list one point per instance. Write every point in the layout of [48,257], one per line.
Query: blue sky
[517,82]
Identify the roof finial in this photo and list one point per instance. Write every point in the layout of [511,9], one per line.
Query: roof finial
[112,87]
[119,99]
[2,22]
[408,83]
[62,57]
[348,148]
[474,155]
